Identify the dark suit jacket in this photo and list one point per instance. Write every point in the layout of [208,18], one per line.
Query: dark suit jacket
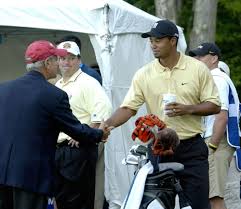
[32,113]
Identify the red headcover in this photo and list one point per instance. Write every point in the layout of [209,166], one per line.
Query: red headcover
[144,125]
[165,139]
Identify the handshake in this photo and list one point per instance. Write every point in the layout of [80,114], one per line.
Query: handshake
[106,130]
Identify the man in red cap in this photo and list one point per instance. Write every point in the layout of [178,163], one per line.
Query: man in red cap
[33,114]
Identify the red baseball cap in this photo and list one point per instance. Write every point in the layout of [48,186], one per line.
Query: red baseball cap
[41,50]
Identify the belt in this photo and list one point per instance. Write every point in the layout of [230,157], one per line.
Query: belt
[197,136]
[62,144]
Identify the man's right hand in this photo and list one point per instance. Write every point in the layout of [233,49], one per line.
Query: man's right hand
[106,130]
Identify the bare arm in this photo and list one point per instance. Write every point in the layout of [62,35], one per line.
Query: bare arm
[202,109]
[120,116]
[219,127]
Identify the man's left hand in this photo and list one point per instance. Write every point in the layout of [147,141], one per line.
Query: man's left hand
[176,109]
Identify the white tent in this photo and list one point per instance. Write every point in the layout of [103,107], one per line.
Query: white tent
[110,33]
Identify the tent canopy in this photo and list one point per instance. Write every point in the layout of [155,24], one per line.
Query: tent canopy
[83,16]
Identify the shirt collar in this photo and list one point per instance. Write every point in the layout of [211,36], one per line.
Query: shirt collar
[181,65]
[72,78]
[215,70]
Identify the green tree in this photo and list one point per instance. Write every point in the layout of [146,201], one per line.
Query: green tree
[228,37]
[228,30]
[146,5]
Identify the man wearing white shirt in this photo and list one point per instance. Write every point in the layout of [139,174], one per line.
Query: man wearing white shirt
[220,153]
[76,165]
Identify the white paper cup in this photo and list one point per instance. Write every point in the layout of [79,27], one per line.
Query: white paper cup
[167,99]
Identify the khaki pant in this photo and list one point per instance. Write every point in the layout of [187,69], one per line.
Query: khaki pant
[219,162]
[100,177]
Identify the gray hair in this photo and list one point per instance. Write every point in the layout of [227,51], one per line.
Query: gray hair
[35,66]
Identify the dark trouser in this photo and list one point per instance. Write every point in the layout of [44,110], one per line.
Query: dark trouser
[193,154]
[15,198]
[75,177]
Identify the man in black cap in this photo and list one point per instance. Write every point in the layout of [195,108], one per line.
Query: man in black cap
[161,29]
[190,82]
[215,135]
[206,49]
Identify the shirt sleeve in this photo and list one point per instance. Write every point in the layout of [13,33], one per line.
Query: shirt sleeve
[223,90]
[97,102]
[134,97]
[208,89]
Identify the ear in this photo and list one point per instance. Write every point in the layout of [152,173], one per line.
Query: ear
[214,59]
[46,63]
[173,41]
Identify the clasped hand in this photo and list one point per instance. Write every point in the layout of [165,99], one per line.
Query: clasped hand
[106,130]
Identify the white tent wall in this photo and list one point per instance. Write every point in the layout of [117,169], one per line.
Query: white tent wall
[129,52]
[114,28]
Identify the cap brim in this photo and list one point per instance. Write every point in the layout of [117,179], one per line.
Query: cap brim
[145,35]
[61,52]
[151,34]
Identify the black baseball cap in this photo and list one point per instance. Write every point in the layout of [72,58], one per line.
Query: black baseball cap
[162,28]
[204,49]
